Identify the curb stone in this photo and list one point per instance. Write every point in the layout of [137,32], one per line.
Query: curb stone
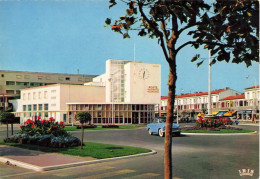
[249,133]
[38,169]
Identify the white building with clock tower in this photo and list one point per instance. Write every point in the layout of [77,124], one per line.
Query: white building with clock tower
[125,94]
[133,82]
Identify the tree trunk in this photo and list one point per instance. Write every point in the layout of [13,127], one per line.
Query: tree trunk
[82,134]
[12,129]
[169,122]
[6,129]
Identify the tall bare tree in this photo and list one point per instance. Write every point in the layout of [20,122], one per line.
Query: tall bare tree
[229,28]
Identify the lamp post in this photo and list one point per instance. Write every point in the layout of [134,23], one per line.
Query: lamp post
[209,86]
[112,98]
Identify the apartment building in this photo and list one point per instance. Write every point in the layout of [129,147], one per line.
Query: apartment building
[11,82]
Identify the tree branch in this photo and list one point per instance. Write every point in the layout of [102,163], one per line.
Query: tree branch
[154,28]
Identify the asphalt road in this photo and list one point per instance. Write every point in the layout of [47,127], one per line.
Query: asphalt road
[194,157]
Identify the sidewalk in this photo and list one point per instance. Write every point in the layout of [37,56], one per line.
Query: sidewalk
[37,160]
[41,161]
[248,123]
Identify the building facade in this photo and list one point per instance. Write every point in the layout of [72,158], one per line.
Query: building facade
[11,82]
[125,94]
[244,106]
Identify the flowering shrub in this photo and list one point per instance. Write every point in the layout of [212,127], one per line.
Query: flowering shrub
[46,133]
[45,140]
[209,123]
[43,127]
[206,128]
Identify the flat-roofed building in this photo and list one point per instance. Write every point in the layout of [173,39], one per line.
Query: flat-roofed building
[126,94]
[12,81]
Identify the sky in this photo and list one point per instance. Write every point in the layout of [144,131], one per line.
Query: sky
[63,36]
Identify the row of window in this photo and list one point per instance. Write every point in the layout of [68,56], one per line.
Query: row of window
[108,107]
[36,107]
[35,115]
[19,83]
[61,78]
[37,95]
[195,100]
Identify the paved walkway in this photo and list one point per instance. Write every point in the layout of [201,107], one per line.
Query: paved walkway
[37,160]
[41,161]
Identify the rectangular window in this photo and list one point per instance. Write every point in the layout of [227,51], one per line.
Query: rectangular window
[45,114]
[40,107]
[24,107]
[67,78]
[34,95]
[29,96]
[35,107]
[9,91]
[40,95]
[2,75]
[29,107]
[64,117]
[10,83]
[17,92]
[45,94]
[46,107]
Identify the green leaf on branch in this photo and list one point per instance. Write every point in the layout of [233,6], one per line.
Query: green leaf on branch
[213,62]
[126,35]
[108,21]
[200,63]
[195,58]
[113,2]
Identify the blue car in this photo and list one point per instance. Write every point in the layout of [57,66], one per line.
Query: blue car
[157,126]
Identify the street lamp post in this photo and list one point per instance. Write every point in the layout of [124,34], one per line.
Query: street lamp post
[209,86]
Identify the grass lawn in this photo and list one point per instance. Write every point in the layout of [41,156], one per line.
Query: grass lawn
[222,131]
[96,150]
[73,128]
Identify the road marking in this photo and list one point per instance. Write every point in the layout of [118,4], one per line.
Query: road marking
[145,175]
[108,174]
[92,170]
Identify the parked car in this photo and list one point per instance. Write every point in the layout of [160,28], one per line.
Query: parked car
[234,120]
[157,126]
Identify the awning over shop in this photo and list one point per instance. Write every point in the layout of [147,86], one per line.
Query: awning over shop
[229,113]
[245,112]
[215,112]
[221,113]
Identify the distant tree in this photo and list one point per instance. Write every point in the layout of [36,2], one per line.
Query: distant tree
[229,28]
[7,118]
[83,117]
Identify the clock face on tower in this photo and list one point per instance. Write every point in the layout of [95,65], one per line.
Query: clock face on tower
[144,74]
